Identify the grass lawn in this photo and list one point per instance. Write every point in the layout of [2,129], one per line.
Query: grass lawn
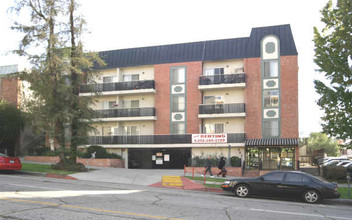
[43,168]
[216,186]
[220,180]
[344,192]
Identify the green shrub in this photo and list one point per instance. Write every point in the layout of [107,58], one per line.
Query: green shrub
[69,166]
[334,173]
[84,154]
[50,153]
[235,161]
[100,153]
[200,161]
[38,151]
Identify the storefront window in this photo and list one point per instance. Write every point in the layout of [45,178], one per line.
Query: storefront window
[288,158]
[270,158]
[252,158]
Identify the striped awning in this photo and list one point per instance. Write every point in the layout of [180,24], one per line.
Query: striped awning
[272,142]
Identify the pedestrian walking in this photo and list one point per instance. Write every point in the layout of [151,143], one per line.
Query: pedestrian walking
[221,167]
[208,167]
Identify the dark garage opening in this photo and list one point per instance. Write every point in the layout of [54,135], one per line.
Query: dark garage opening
[158,158]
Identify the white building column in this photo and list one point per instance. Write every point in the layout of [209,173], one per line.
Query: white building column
[125,157]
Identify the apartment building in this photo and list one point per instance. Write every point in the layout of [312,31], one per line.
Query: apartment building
[10,85]
[162,106]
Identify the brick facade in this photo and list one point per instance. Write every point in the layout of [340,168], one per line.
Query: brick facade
[162,97]
[289,97]
[9,90]
[253,98]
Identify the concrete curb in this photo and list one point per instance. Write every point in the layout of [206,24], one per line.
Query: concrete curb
[339,201]
[31,173]
[48,175]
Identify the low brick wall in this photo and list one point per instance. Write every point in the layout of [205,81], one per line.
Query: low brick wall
[42,159]
[231,171]
[117,163]
[91,162]
[262,172]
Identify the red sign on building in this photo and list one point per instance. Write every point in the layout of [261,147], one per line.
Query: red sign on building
[209,138]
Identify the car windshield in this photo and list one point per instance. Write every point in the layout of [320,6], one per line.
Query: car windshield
[3,155]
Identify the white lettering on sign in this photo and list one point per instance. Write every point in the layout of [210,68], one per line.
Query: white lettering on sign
[209,138]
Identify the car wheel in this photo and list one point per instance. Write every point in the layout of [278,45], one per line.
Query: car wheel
[311,196]
[242,191]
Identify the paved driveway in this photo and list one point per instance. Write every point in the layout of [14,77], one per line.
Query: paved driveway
[127,176]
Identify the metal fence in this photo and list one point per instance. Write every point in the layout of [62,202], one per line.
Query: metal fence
[128,112]
[118,86]
[222,79]
[222,108]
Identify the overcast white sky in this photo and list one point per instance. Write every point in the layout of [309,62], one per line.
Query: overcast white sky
[117,24]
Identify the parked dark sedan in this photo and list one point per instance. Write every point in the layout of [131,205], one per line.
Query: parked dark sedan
[283,184]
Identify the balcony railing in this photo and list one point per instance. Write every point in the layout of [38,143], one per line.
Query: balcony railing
[118,86]
[222,79]
[125,112]
[222,108]
[157,139]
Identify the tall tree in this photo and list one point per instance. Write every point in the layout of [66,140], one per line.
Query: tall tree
[333,55]
[11,123]
[57,72]
[46,76]
[320,141]
[80,69]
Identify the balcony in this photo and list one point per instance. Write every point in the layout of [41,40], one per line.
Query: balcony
[157,139]
[222,81]
[145,86]
[127,114]
[222,110]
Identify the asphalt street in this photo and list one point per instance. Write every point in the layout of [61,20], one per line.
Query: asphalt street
[33,197]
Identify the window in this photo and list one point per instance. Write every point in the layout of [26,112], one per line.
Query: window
[178,128]
[132,77]
[271,128]
[271,68]
[211,100]
[131,130]
[271,98]
[109,79]
[213,71]
[178,103]
[109,104]
[294,177]
[213,128]
[178,75]
[306,179]
[130,103]
[274,177]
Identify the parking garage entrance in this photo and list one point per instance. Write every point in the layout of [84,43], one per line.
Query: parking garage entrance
[158,158]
